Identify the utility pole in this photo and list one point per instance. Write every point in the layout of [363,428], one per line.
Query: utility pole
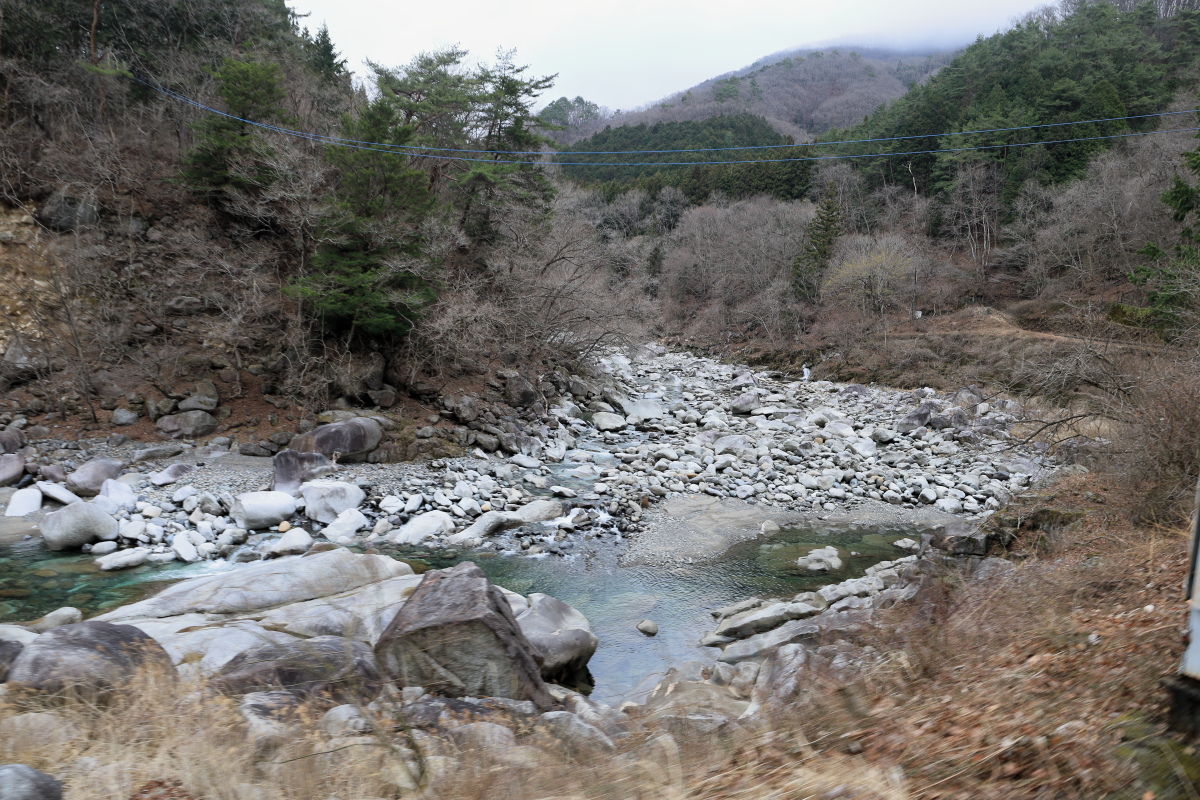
[1185,687]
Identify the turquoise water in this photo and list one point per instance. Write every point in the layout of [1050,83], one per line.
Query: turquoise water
[614,598]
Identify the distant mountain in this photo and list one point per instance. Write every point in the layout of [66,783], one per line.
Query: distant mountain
[801,93]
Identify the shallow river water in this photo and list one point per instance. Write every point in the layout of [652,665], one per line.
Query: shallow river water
[614,598]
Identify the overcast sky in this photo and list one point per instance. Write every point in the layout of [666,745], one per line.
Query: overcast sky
[625,53]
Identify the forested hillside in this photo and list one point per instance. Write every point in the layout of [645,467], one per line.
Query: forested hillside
[799,93]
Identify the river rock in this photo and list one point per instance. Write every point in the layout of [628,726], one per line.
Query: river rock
[23,782]
[188,425]
[76,525]
[766,618]
[257,510]
[324,500]
[605,421]
[57,493]
[183,548]
[648,627]
[265,584]
[11,440]
[293,469]
[326,665]
[56,619]
[24,502]
[745,403]
[362,613]
[646,409]
[171,474]
[420,528]
[294,542]
[348,523]
[87,659]
[12,468]
[456,635]
[824,559]
[538,511]
[561,634]
[155,452]
[351,438]
[123,559]
[87,480]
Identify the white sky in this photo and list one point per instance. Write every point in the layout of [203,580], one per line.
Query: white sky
[625,53]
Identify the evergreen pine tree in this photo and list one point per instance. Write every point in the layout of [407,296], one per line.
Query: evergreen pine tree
[823,232]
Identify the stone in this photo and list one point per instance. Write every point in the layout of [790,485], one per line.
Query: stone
[323,665]
[123,416]
[605,421]
[824,559]
[423,526]
[561,634]
[349,438]
[766,618]
[745,403]
[648,627]
[155,453]
[188,425]
[56,619]
[538,511]
[257,510]
[733,443]
[53,473]
[24,502]
[293,469]
[12,468]
[581,738]
[294,542]
[457,636]
[87,659]
[265,584]
[915,419]
[184,549]
[123,559]
[171,474]
[57,493]
[104,548]
[76,525]
[9,650]
[23,782]
[202,397]
[87,480]
[348,523]
[645,409]
[519,392]
[344,720]
[11,440]
[324,500]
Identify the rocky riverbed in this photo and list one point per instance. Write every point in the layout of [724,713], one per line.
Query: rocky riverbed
[792,512]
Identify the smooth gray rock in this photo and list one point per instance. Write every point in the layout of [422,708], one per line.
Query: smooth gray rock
[648,627]
[12,468]
[57,493]
[188,425]
[266,584]
[324,500]
[56,619]
[11,440]
[257,510]
[457,635]
[24,502]
[172,474]
[203,397]
[123,559]
[123,416]
[23,782]
[351,438]
[423,526]
[604,421]
[9,650]
[155,452]
[87,480]
[86,659]
[293,469]
[326,665]
[561,634]
[76,525]
[646,409]
[292,543]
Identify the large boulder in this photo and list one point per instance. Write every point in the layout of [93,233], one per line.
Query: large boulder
[293,469]
[91,475]
[188,425]
[646,409]
[324,500]
[86,659]
[328,665]
[265,584]
[9,650]
[76,525]
[363,613]
[605,421]
[423,526]
[24,502]
[349,439]
[456,635]
[12,468]
[11,440]
[203,397]
[562,635]
[23,782]
[257,510]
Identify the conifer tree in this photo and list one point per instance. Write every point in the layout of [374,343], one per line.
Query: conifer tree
[813,260]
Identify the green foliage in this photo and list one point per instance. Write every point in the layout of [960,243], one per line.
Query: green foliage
[785,180]
[323,56]
[566,114]
[726,90]
[251,91]
[810,265]
[1095,61]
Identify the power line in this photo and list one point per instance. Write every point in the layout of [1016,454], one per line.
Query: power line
[411,149]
